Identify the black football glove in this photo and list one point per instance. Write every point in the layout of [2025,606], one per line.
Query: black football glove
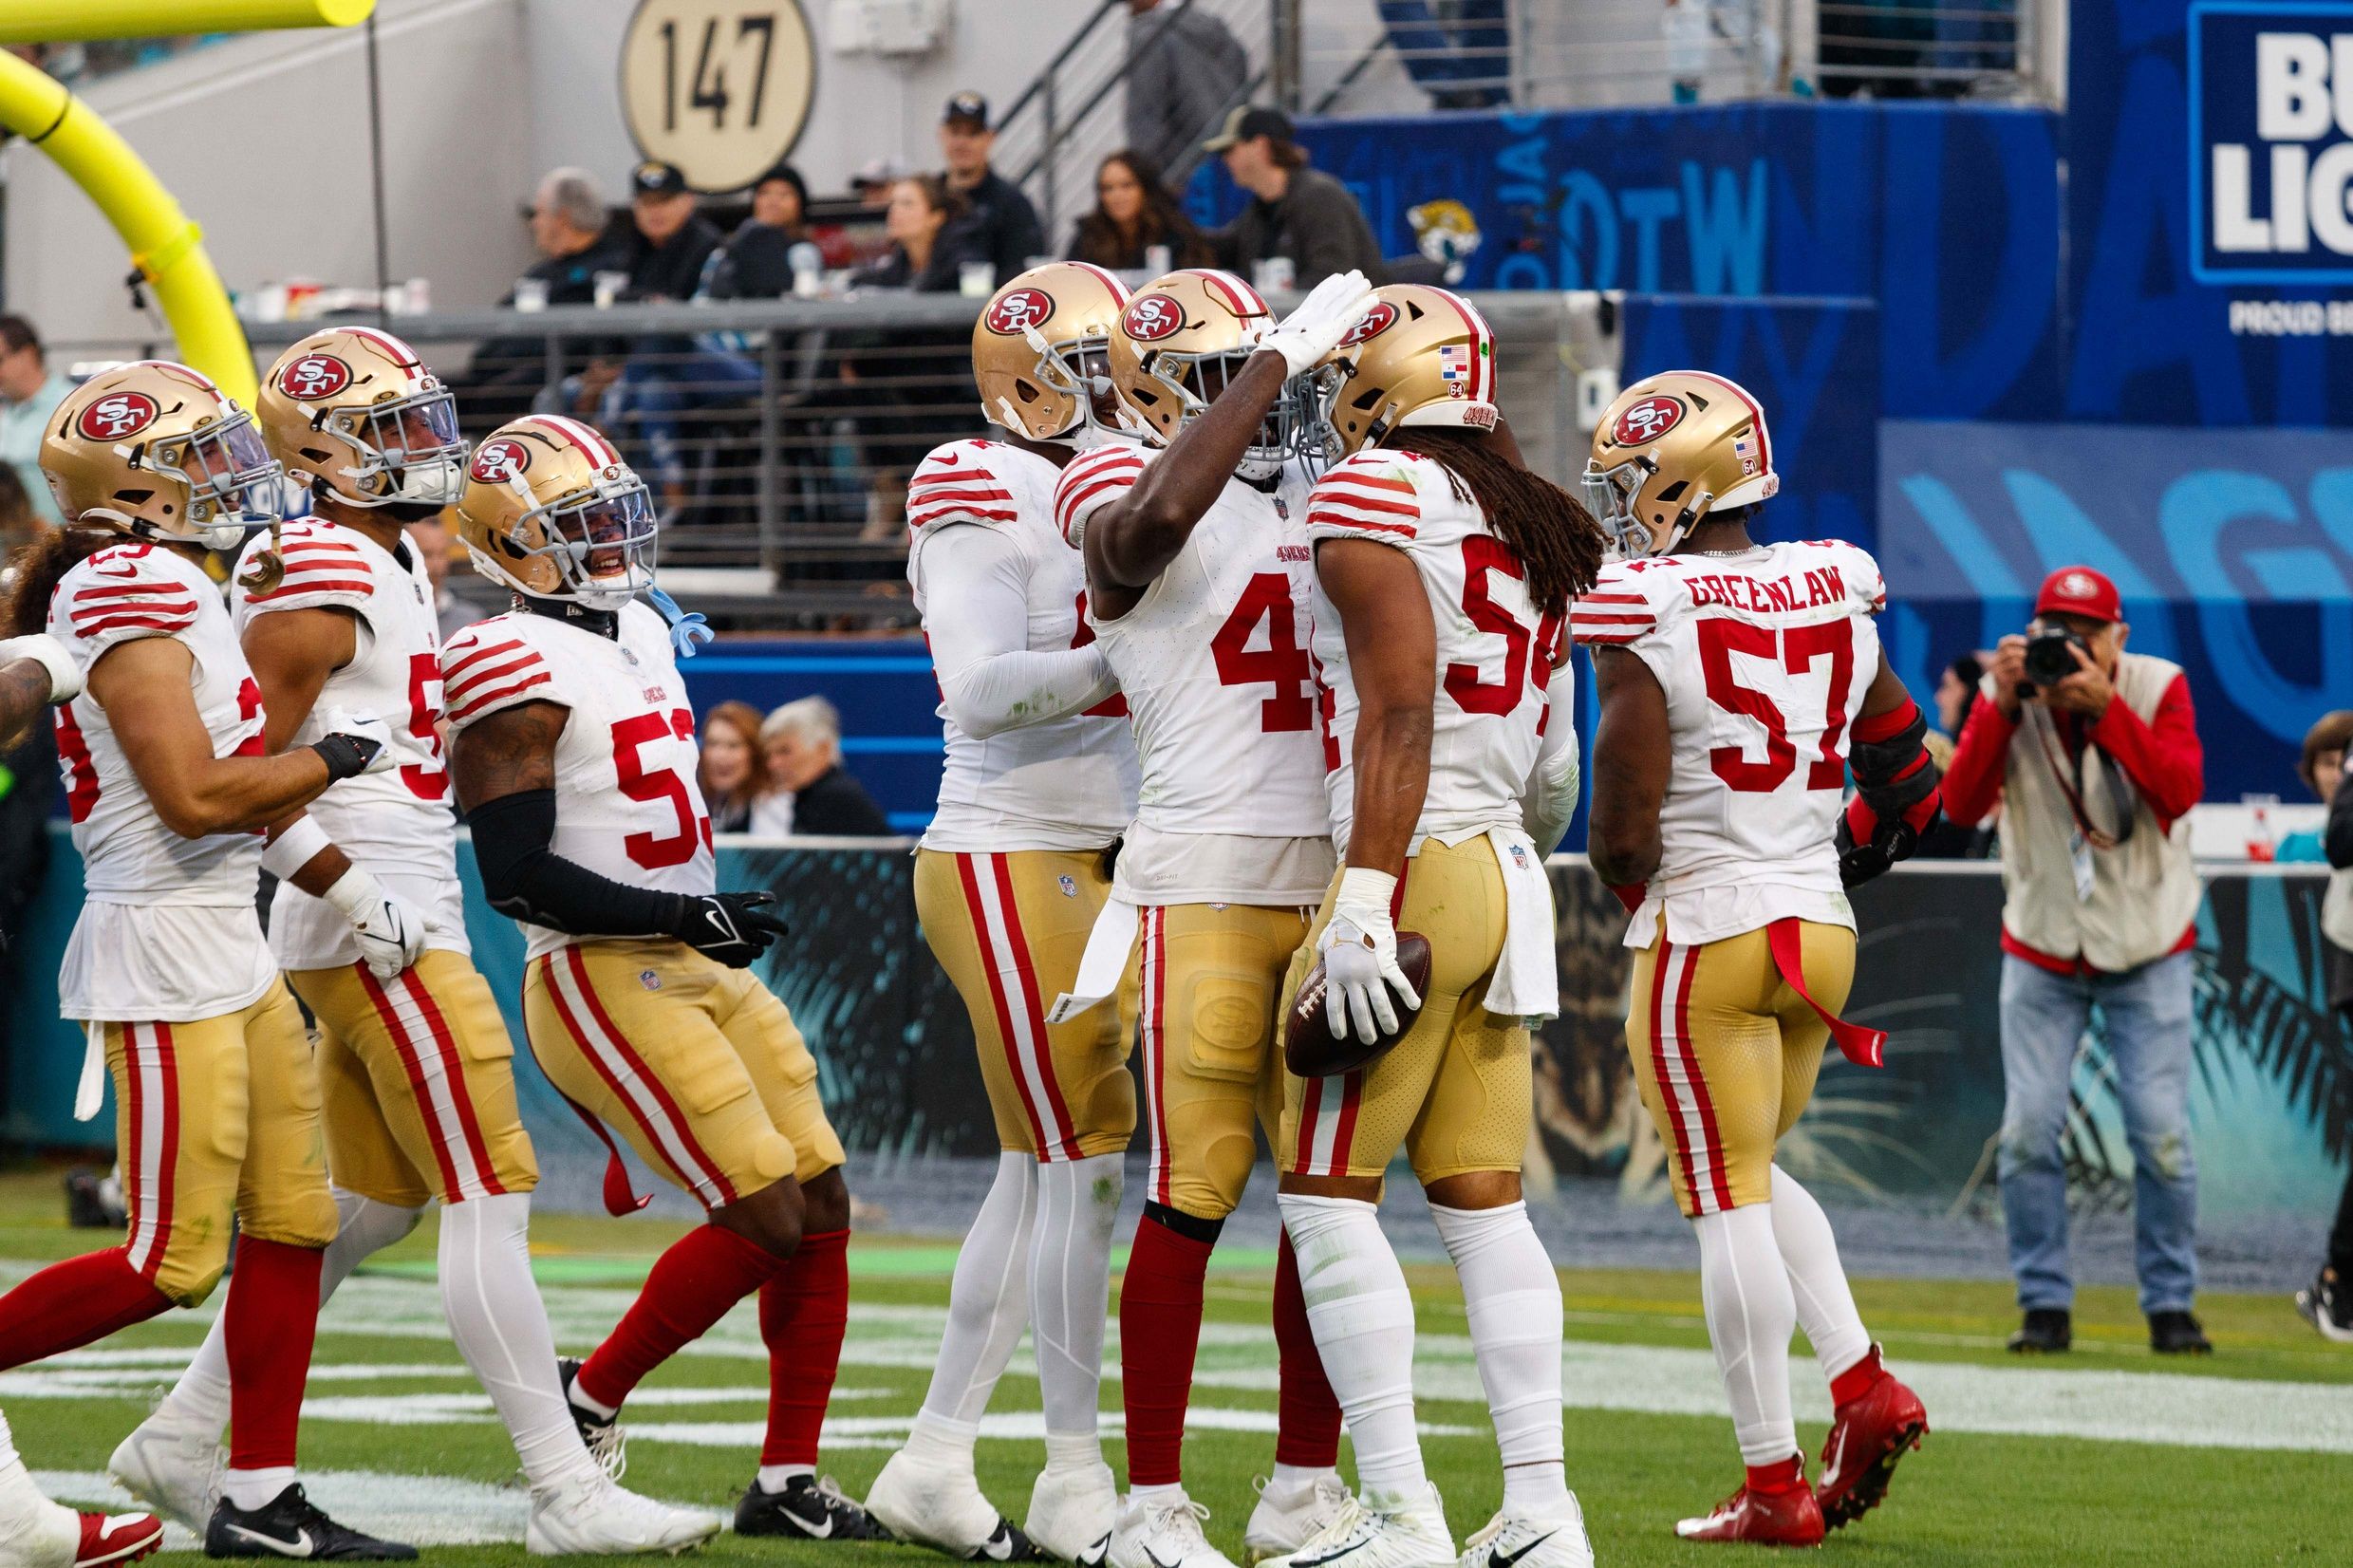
[1890,842]
[735,928]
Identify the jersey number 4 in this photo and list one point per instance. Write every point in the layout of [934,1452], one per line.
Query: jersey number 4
[1283,663]
[1798,649]
[655,851]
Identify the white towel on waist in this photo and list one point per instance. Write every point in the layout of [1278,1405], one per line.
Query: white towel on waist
[1527,976]
[1103,964]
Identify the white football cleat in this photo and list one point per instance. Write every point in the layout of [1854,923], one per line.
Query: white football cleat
[1409,1535]
[1285,1521]
[586,1514]
[171,1467]
[1072,1514]
[1164,1532]
[1517,1540]
[943,1508]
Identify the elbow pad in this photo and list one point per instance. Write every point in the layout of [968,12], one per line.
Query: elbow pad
[526,880]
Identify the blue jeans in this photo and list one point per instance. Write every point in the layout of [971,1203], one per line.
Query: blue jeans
[649,393]
[2145,1014]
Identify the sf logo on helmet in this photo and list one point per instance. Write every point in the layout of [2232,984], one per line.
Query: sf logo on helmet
[1153,317]
[116,417]
[1647,420]
[316,376]
[500,460]
[1378,320]
[1018,311]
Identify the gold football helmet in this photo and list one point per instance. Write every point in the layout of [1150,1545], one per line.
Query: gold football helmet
[1181,337]
[1420,357]
[1672,449]
[154,448]
[550,510]
[356,412]
[1040,350]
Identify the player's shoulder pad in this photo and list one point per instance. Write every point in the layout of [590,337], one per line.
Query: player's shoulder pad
[1091,479]
[493,664]
[962,482]
[1372,494]
[325,566]
[1629,600]
[124,593]
[1858,574]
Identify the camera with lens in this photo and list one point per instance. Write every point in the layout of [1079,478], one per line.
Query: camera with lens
[2050,657]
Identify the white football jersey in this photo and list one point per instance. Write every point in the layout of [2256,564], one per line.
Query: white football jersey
[1214,664]
[626,803]
[396,823]
[1766,658]
[167,931]
[1495,651]
[1068,783]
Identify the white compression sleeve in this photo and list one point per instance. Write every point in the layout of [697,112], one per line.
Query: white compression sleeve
[977,617]
[366,1227]
[988,1302]
[1810,1253]
[1070,1288]
[1549,798]
[1513,1298]
[1363,1317]
[502,1329]
[1750,1315]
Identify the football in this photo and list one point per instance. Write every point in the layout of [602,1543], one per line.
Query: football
[1309,1048]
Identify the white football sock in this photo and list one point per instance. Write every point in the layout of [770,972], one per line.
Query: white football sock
[1070,1290]
[775,1478]
[1750,1315]
[200,1398]
[1513,1298]
[1291,1479]
[33,1529]
[988,1302]
[252,1489]
[502,1329]
[1810,1253]
[1363,1316]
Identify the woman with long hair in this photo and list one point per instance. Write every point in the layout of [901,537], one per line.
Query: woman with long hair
[927,250]
[1134,211]
[168,788]
[735,770]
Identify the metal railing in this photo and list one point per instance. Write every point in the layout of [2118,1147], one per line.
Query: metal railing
[777,434]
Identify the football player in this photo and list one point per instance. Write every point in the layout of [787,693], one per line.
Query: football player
[1739,683]
[1444,571]
[1197,569]
[369,929]
[572,751]
[167,786]
[1040,778]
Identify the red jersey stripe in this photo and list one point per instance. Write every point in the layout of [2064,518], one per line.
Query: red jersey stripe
[453,662]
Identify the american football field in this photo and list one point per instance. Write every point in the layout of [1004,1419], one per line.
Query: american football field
[2106,1456]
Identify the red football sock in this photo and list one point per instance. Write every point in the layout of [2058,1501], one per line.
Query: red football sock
[706,1272]
[804,1313]
[1307,1428]
[1857,1380]
[1159,1336]
[273,1319]
[1787,1476]
[74,1303]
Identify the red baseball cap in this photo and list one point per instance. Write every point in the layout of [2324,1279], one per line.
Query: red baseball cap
[2079,591]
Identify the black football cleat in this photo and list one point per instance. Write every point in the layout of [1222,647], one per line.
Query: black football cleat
[293,1526]
[2178,1333]
[603,1437]
[2326,1303]
[807,1509]
[2046,1331]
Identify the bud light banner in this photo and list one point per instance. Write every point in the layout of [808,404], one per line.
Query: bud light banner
[2272,144]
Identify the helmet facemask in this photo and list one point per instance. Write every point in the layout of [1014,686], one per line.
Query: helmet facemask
[1613,496]
[601,540]
[1078,368]
[410,452]
[233,483]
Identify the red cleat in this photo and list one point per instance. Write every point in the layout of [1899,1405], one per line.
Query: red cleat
[1774,1509]
[117,1538]
[1879,1421]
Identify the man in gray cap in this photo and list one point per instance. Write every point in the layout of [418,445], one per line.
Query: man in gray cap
[1294,211]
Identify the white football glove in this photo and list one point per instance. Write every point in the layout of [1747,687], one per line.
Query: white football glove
[364,730]
[392,933]
[64,675]
[1309,333]
[1360,950]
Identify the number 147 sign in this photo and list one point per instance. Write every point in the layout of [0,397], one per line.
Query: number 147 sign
[719,87]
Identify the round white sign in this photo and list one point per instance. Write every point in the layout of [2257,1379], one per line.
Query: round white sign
[719,87]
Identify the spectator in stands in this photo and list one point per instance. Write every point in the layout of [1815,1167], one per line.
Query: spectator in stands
[756,261]
[734,770]
[29,393]
[803,743]
[1957,694]
[1294,211]
[1005,230]
[572,227]
[2327,1301]
[2097,771]
[1185,68]
[929,241]
[669,242]
[1134,213]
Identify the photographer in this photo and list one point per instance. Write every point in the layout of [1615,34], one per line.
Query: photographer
[2095,755]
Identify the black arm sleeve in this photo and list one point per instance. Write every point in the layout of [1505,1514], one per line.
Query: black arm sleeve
[2336,841]
[524,878]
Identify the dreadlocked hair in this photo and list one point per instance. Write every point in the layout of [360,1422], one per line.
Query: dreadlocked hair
[1556,538]
[37,567]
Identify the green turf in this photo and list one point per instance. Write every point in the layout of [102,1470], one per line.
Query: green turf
[1965,1498]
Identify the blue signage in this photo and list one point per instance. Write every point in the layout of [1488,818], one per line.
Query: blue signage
[2271,147]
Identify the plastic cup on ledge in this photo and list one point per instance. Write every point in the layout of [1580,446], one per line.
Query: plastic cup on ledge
[977,280]
[608,287]
[530,294]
